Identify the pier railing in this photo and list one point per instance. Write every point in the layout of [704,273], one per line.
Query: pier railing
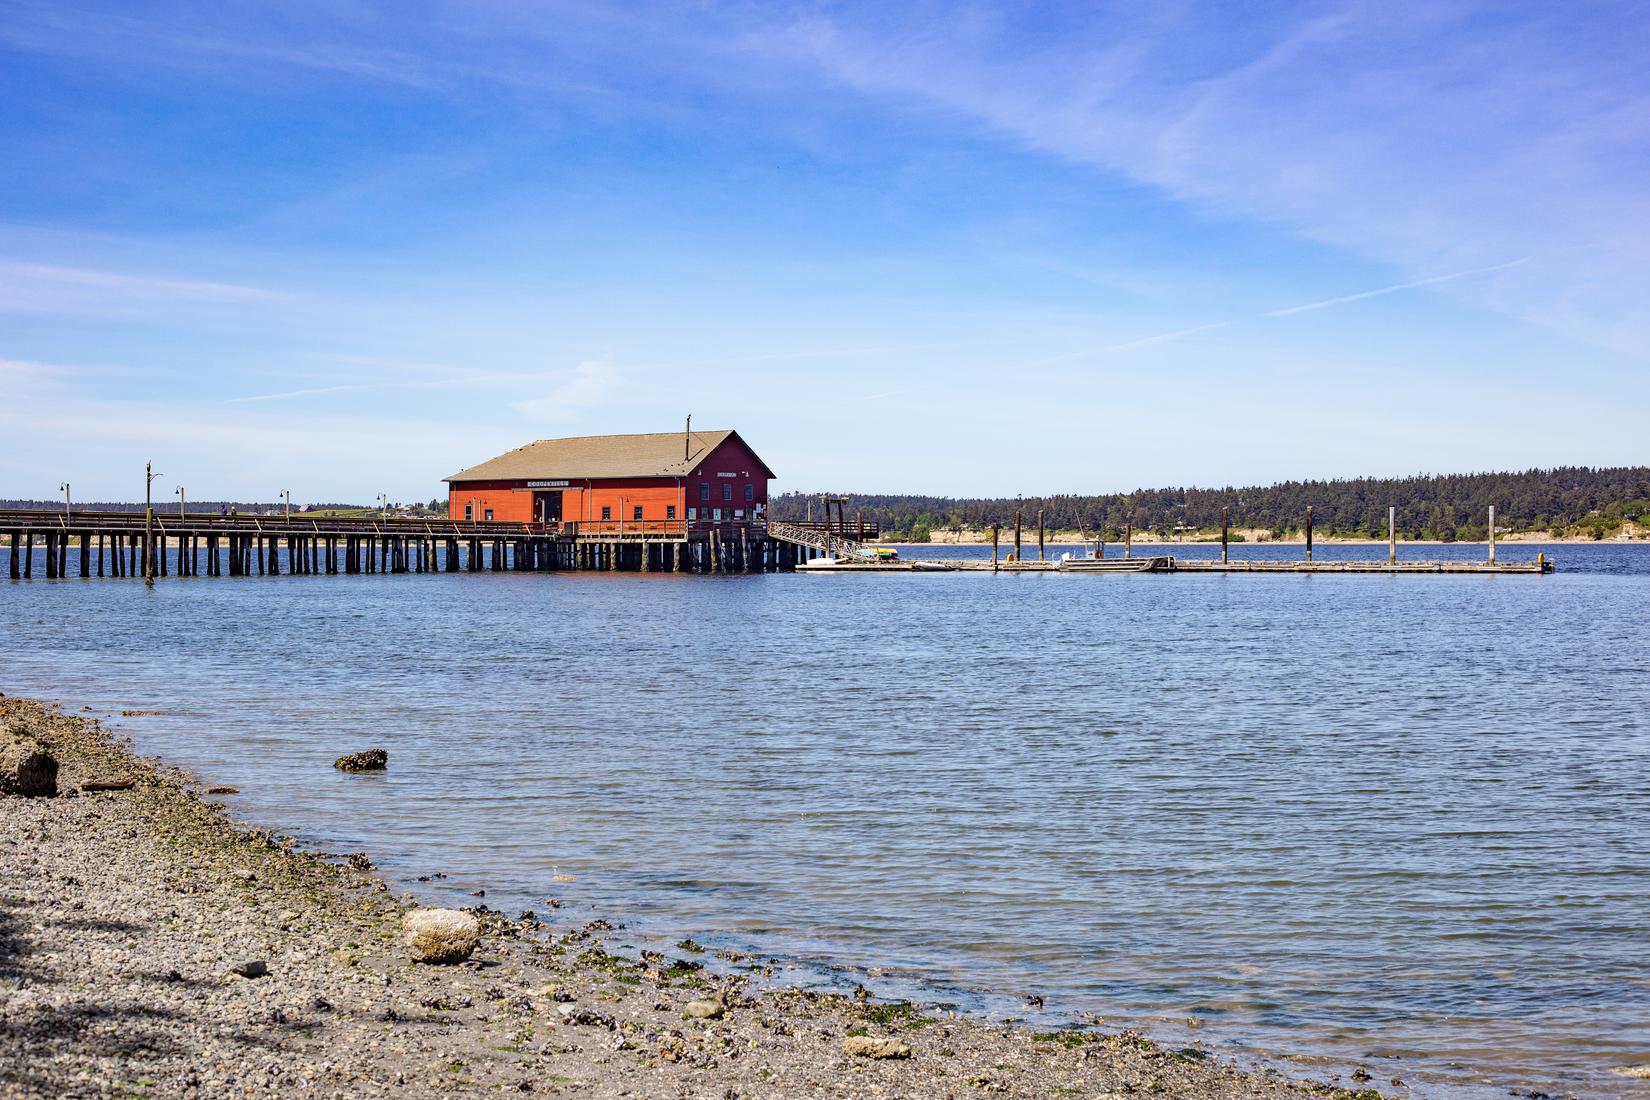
[832,538]
[626,528]
[168,523]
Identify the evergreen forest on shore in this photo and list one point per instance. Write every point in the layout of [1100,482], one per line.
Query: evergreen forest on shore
[1568,501]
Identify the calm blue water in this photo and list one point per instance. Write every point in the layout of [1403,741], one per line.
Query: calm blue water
[1401,821]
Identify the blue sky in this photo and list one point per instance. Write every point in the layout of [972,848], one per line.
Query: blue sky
[347,248]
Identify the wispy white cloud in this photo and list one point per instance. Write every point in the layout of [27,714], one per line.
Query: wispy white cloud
[887,394]
[460,381]
[46,288]
[101,442]
[1422,137]
[590,384]
[18,371]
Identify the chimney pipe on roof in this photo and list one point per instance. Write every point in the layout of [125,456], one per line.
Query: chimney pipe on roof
[687,439]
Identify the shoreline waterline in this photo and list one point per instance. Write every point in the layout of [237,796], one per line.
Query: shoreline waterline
[170,894]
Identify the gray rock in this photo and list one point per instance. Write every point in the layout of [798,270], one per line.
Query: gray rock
[372,760]
[27,768]
[250,968]
[869,1046]
[440,935]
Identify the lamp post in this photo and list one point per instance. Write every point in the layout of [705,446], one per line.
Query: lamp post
[67,509]
[149,477]
[180,501]
[383,506]
[286,495]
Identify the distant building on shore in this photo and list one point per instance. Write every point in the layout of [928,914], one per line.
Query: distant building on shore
[695,479]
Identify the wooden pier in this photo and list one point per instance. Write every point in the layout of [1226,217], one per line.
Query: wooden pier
[133,544]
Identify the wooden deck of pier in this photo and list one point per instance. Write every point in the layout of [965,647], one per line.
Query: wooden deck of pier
[133,544]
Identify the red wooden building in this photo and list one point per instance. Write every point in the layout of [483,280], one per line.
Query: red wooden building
[615,484]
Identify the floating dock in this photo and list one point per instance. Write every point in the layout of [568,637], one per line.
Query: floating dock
[1170,565]
[1539,566]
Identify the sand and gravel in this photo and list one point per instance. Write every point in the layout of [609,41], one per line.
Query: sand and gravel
[149,946]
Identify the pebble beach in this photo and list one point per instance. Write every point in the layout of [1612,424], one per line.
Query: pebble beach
[151,946]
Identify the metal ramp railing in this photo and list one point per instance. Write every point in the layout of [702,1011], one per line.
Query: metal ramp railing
[829,538]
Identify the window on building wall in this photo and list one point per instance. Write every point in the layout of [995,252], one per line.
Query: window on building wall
[750,492]
[670,511]
[727,490]
[718,515]
[488,515]
[704,490]
[607,511]
[636,512]
[469,512]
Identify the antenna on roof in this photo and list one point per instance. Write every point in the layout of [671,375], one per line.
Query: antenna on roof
[687,440]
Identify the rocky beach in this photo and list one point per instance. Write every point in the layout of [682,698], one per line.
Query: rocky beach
[150,946]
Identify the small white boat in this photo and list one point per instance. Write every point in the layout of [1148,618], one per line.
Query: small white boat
[1116,565]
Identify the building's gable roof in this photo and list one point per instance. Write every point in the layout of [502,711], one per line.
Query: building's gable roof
[657,454]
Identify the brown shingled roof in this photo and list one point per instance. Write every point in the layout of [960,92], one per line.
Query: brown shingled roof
[656,454]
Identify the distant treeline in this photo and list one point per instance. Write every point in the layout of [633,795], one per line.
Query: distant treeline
[247,507]
[1568,499]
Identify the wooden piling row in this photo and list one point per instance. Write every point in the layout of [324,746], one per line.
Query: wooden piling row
[143,552]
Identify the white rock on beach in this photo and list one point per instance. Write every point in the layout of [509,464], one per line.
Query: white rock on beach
[869,1046]
[440,935]
[703,1010]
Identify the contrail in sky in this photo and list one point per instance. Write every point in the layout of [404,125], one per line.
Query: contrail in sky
[1289,311]
[1286,311]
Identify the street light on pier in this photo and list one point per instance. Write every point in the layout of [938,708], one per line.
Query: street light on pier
[180,501]
[149,477]
[67,509]
[286,495]
[383,506]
